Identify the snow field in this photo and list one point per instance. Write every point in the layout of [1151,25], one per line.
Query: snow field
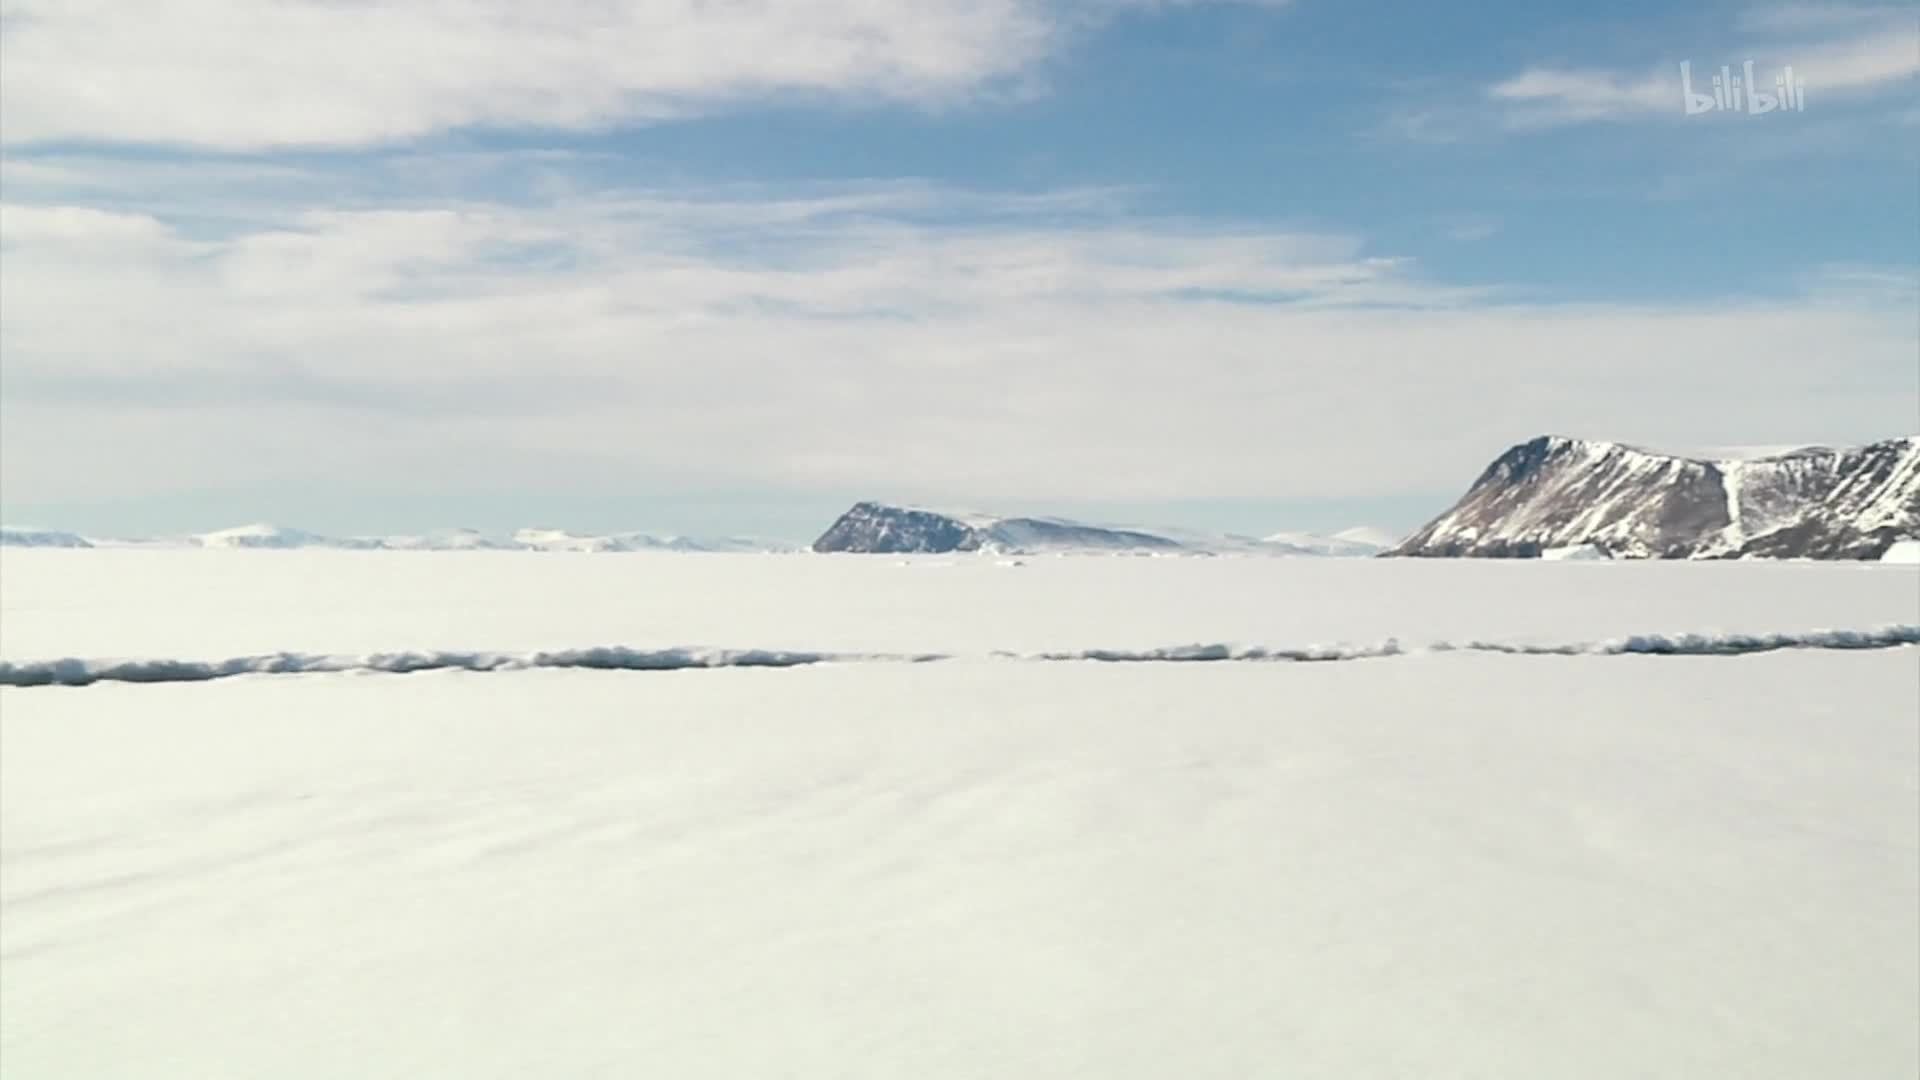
[1443,864]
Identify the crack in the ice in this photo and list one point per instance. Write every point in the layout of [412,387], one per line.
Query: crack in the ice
[79,671]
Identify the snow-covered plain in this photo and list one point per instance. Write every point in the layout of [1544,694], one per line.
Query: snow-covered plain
[1451,864]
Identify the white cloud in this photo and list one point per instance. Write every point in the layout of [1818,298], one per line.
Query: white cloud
[250,74]
[853,339]
[261,73]
[1881,59]
[1570,95]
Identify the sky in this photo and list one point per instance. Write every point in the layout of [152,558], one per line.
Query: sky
[706,266]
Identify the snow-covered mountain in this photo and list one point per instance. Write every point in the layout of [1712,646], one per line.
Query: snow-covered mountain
[263,535]
[449,540]
[1349,543]
[877,528]
[12,536]
[1379,539]
[1556,492]
[880,528]
[561,540]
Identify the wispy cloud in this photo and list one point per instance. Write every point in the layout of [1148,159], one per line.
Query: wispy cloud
[1884,60]
[877,337]
[646,260]
[252,73]
[1879,54]
[249,74]
[1566,96]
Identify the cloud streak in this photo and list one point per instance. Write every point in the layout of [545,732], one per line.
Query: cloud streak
[260,74]
[233,74]
[1880,59]
[907,340]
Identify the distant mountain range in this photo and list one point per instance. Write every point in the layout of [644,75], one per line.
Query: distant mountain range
[869,527]
[46,538]
[1553,495]
[881,528]
[274,537]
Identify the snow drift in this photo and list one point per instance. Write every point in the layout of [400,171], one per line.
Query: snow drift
[1902,551]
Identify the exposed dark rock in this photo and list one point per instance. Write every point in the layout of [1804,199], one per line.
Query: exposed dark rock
[876,528]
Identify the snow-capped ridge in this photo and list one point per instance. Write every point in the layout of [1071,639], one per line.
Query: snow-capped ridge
[562,540]
[262,535]
[449,540]
[1379,539]
[1359,542]
[28,536]
[1555,491]
[880,528]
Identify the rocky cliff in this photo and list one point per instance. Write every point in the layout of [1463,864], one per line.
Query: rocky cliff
[1555,492]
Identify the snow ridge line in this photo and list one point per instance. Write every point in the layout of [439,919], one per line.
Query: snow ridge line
[78,671]
[1635,645]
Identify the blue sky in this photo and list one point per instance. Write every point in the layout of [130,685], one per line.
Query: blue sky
[725,266]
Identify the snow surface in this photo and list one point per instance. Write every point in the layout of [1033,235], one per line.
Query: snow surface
[1440,864]
[1574,553]
[1902,551]
[186,604]
[1733,480]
